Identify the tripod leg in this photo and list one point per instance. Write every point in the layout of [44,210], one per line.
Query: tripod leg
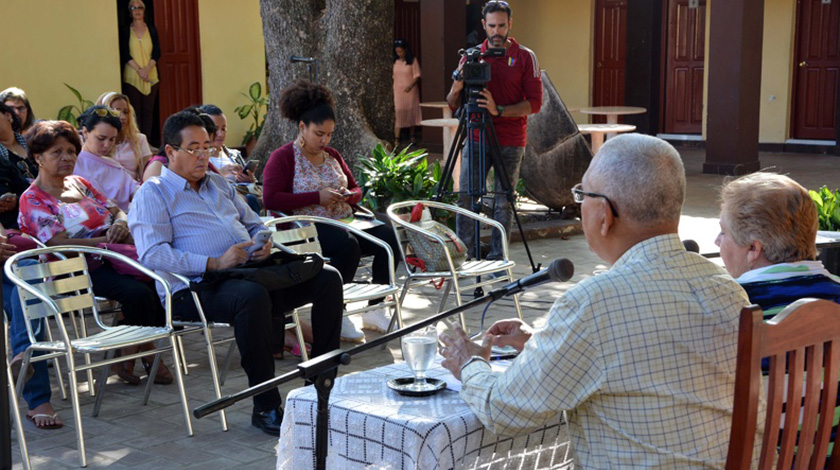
[507,184]
[451,159]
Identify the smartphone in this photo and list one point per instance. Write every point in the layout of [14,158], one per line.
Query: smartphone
[260,239]
[347,193]
[251,166]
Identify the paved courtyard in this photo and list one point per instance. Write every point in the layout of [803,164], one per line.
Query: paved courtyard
[127,435]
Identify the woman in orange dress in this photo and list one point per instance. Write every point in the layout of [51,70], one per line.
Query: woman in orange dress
[406,91]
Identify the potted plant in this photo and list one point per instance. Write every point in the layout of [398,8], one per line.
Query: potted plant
[71,112]
[828,211]
[387,177]
[256,108]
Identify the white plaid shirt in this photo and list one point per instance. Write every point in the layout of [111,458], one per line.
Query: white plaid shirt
[642,357]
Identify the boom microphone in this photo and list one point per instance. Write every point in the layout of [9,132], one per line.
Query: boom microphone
[691,246]
[560,270]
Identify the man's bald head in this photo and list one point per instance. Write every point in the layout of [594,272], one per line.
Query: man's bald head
[643,176]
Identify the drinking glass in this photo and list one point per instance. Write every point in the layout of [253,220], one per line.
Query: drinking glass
[419,349]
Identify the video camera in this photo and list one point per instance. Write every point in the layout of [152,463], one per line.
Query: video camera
[475,71]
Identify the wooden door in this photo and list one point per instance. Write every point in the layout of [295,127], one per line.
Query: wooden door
[407,25]
[610,47]
[180,58]
[816,70]
[684,54]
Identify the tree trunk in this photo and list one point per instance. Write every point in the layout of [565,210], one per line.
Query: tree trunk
[353,42]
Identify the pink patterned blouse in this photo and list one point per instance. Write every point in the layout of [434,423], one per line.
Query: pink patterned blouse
[43,216]
[310,177]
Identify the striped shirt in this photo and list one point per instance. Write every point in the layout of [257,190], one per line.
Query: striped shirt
[643,358]
[177,229]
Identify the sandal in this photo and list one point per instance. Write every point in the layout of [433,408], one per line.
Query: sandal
[49,421]
[163,376]
[123,373]
[295,350]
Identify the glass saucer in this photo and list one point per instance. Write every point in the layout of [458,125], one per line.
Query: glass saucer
[403,387]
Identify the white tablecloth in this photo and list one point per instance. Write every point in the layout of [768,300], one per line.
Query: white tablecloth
[371,426]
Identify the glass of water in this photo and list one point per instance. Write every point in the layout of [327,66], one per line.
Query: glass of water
[419,349]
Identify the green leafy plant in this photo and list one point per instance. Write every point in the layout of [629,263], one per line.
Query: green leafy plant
[256,109]
[71,112]
[828,208]
[387,177]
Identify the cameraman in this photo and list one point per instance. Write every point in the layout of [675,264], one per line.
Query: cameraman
[514,92]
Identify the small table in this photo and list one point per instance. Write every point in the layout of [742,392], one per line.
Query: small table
[450,126]
[442,105]
[612,112]
[600,131]
[371,424]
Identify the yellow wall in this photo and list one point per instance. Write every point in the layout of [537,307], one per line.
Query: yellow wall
[50,42]
[232,56]
[777,70]
[560,32]
[57,41]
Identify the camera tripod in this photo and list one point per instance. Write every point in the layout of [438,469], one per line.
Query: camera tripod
[475,120]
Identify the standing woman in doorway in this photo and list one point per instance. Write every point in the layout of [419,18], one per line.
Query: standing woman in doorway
[406,91]
[139,54]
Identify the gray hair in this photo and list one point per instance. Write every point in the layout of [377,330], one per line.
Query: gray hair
[643,176]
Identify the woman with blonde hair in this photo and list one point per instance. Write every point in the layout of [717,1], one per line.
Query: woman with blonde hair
[132,149]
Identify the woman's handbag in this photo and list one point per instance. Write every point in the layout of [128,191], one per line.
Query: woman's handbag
[121,267]
[429,250]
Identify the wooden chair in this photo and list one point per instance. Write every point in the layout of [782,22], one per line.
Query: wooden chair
[805,336]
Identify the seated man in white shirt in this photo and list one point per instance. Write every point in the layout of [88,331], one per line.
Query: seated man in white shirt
[641,356]
[190,221]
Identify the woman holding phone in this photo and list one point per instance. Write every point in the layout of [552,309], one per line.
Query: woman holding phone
[307,177]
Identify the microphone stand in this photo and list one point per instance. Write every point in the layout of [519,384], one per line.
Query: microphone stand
[322,371]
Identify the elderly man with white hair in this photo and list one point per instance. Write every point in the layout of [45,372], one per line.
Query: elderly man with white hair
[641,356]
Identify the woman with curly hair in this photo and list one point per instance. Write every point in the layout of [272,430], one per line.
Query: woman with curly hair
[307,177]
[132,149]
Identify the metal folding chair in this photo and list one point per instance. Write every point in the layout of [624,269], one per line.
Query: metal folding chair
[303,238]
[14,405]
[49,289]
[460,278]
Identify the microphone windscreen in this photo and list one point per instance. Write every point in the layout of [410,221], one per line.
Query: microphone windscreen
[561,270]
[691,245]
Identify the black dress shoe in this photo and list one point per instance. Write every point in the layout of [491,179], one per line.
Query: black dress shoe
[269,421]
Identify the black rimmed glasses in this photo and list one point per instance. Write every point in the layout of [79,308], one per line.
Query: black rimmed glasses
[578,194]
[196,152]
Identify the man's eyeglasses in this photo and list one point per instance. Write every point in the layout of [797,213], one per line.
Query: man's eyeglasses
[102,112]
[214,151]
[196,152]
[578,194]
[136,7]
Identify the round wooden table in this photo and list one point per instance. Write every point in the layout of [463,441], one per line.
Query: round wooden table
[449,125]
[442,105]
[612,112]
[600,131]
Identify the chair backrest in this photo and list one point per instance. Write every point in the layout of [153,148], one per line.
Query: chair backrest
[65,281]
[803,344]
[300,239]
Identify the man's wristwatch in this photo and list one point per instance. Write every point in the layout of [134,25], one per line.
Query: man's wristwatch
[473,359]
[501,109]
